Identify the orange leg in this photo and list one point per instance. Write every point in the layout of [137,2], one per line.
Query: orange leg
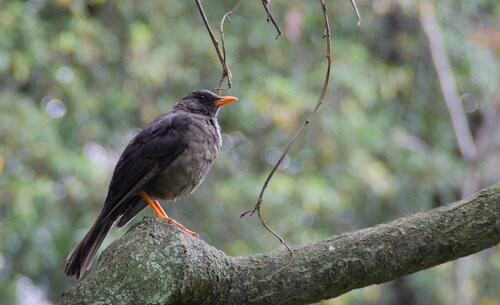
[160,213]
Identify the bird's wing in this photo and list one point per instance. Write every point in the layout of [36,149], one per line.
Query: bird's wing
[151,151]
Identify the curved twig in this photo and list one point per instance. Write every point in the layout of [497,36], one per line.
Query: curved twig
[308,120]
[257,207]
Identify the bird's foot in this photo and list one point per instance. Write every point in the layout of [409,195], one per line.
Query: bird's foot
[155,205]
[164,215]
[171,220]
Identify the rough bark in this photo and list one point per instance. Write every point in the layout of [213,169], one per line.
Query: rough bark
[156,263]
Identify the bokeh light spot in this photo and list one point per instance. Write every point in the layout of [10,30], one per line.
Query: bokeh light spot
[55,108]
[468,102]
[65,75]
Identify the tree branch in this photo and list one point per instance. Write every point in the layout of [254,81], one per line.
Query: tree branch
[156,263]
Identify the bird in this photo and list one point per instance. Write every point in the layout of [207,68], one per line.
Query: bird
[166,160]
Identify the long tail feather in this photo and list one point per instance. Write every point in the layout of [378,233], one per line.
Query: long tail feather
[81,257]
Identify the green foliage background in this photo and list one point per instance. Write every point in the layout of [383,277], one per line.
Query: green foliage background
[79,78]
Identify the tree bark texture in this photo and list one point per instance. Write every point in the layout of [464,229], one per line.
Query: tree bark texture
[156,263]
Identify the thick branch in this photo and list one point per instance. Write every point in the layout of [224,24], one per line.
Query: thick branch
[155,263]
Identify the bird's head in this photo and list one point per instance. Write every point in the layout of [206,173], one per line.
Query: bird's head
[203,102]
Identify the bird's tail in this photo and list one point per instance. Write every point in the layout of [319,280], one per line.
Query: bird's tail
[81,257]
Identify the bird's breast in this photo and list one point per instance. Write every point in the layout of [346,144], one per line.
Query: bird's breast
[188,170]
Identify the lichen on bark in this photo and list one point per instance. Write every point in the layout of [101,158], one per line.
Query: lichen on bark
[156,263]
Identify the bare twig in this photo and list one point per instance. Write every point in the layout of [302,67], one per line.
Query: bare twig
[355,7]
[257,207]
[221,53]
[308,120]
[270,17]
[226,73]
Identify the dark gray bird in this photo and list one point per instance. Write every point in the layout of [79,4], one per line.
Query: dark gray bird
[167,160]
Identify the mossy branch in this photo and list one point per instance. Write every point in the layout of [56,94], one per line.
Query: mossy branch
[156,263]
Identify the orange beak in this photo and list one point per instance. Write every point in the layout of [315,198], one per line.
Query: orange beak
[225,100]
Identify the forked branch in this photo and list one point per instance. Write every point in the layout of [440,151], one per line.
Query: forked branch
[220,49]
